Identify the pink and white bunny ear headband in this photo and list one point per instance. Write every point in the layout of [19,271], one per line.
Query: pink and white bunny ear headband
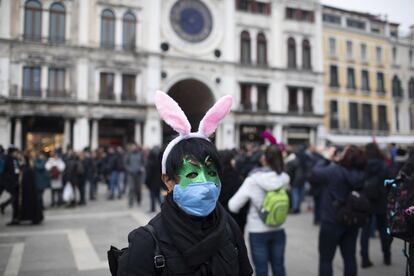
[174,116]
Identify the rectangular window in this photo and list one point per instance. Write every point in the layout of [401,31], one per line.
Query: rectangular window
[245,97]
[382,117]
[262,97]
[107,86]
[379,55]
[349,50]
[366,116]
[293,99]
[353,116]
[365,80]
[307,100]
[350,78]
[410,56]
[333,118]
[356,24]
[332,47]
[331,18]
[394,55]
[364,54]
[128,87]
[56,85]
[290,13]
[31,81]
[243,5]
[299,15]
[380,83]
[334,76]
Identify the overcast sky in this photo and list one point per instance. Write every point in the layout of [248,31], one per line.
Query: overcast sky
[399,11]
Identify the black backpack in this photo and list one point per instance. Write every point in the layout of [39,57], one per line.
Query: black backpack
[355,211]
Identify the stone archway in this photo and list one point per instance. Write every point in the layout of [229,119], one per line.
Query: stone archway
[195,98]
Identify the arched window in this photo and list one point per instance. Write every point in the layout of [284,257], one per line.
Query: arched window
[261,49]
[108,29]
[306,55]
[128,31]
[33,20]
[411,88]
[245,48]
[396,87]
[57,23]
[291,52]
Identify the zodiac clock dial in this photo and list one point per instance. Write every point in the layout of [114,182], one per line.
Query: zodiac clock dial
[191,20]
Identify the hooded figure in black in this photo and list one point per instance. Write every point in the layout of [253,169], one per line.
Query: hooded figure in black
[195,235]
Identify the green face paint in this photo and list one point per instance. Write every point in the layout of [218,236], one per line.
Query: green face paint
[193,171]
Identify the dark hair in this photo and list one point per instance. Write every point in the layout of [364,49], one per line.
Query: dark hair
[372,151]
[274,159]
[353,158]
[225,157]
[197,148]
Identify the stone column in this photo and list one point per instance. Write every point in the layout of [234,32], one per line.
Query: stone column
[138,133]
[81,134]
[95,134]
[278,132]
[152,130]
[228,133]
[45,24]
[18,133]
[253,97]
[118,87]
[312,136]
[237,135]
[66,134]
[43,81]
[5,135]
[118,31]
[300,99]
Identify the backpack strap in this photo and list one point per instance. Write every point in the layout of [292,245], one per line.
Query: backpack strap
[230,232]
[159,259]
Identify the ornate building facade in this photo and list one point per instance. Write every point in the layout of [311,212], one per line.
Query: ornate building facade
[83,73]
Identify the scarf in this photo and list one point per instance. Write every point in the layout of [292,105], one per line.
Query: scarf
[197,239]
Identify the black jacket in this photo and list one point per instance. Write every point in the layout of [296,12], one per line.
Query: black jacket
[339,183]
[139,258]
[378,170]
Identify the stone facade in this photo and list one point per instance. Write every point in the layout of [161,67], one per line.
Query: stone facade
[93,69]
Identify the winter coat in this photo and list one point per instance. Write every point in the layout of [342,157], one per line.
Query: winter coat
[254,188]
[11,173]
[42,178]
[231,182]
[90,167]
[339,183]
[299,169]
[133,162]
[60,165]
[153,172]
[212,246]
[378,170]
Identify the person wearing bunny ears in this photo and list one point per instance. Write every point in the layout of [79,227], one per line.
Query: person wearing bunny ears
[193,234]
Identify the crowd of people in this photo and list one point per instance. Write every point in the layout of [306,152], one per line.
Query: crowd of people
[327,175]
[73,178]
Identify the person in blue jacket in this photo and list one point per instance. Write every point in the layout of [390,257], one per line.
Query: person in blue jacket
[340,178]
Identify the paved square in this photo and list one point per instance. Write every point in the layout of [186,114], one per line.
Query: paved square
[73,242]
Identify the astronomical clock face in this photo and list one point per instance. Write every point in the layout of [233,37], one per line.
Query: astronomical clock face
[191,20]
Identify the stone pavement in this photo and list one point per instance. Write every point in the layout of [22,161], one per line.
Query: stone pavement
[74,242]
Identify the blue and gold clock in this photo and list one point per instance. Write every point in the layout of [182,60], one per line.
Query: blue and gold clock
[191,20]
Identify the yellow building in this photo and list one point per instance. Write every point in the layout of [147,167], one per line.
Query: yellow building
[358,102]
